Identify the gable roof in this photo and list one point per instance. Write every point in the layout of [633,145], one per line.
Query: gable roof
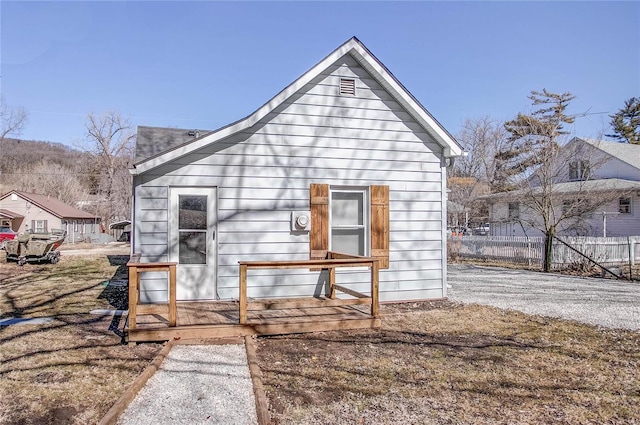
[152,141]
[9,214]
[352,47]
[51,205]
[625,152]
[567,188]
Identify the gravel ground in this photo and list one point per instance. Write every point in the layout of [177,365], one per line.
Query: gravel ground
[197,384]
[601,302]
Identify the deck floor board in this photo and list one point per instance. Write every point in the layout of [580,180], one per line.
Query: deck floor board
[221,319]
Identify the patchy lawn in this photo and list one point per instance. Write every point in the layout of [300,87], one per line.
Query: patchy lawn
[72,369]
[445,363]
[431,363]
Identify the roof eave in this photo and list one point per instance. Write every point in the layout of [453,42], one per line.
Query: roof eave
[450,146]
[630,186]
[354,47]
[56,214]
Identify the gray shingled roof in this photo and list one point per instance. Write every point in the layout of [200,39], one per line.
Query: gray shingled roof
[625,152]
[599,185]
[152,141]
[589,186]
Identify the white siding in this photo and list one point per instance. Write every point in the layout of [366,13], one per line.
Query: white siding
[263,174]
[615,168]
[617,224]
[602,164]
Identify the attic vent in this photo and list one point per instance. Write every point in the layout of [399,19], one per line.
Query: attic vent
[194,133]
[347,86]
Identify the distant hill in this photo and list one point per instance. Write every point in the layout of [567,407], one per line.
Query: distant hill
[16,153]
[47,168]
[75,177]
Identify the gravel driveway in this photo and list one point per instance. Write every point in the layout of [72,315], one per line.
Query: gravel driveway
[600,302]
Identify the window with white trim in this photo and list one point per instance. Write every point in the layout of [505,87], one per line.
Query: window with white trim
[349,221]
[579,170]
[377,217]
[39,226]
[624,205]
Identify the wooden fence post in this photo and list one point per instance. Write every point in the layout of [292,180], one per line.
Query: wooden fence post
[134,283]
[173,308]
[374,288]
[332,283]
[243,294]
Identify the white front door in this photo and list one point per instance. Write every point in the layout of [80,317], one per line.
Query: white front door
[192,244]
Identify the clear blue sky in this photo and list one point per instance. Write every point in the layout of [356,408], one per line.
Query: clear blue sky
[205,64]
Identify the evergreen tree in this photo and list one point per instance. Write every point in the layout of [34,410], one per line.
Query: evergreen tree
[529,164]
[533,139]
[626,122]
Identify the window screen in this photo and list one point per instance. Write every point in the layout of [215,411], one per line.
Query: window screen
[349,222]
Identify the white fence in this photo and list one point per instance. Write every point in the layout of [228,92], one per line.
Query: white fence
[522,250]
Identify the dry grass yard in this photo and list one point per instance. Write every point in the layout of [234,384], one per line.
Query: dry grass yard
[442,363]
[431,363]
[71,370]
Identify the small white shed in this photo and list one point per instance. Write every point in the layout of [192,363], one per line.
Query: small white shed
[343,159]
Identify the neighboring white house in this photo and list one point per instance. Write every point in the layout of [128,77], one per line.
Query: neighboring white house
[343,159]
[592,168]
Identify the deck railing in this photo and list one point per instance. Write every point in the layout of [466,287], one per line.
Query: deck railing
[334,260]
[135,269]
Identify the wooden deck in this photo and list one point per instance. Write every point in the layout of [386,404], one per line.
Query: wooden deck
[219,319]
[198,320]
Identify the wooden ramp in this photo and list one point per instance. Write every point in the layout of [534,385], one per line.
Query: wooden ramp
[220,319]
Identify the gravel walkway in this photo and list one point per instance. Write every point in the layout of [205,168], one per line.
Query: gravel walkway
[601,302]
[197,384]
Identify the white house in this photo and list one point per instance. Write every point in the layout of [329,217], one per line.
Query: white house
[343,159]
[591,169]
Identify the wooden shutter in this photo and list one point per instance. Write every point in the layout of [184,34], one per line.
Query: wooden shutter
[319,234]
[380,225]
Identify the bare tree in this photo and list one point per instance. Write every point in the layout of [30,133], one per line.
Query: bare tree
[50,178]
[481,138]
[43,167]
[12,120]
[473,175]
[534,164]
[110,139]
